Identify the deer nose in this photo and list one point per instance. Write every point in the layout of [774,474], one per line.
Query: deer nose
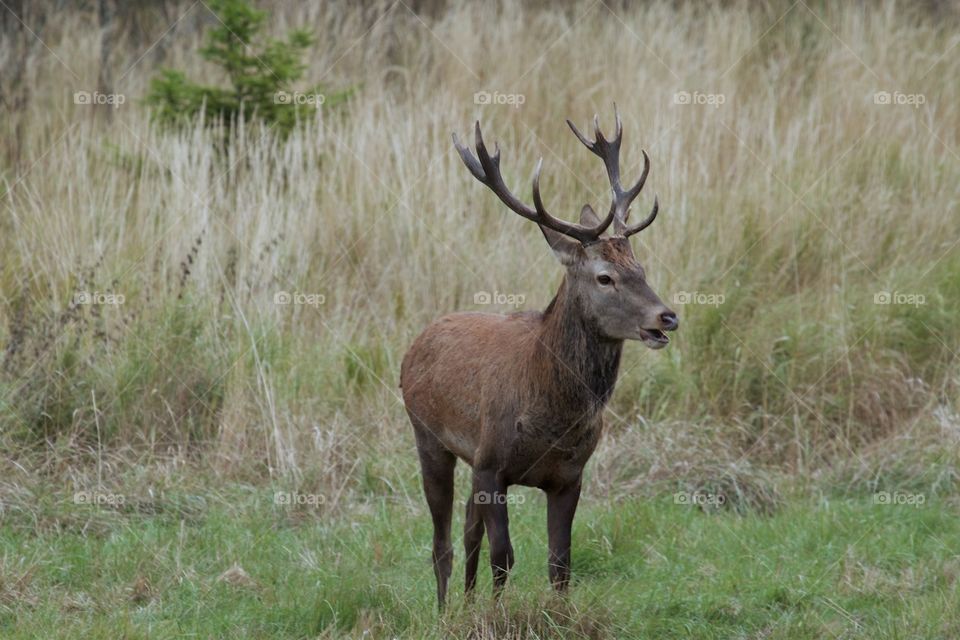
[669,320]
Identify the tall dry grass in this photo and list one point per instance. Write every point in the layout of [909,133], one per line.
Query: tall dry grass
[798,200]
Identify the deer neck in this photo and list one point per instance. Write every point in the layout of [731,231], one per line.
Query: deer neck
[580,366]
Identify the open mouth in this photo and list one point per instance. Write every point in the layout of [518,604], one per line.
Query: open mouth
[654,338]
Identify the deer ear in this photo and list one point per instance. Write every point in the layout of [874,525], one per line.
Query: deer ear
[589,217]
[565,248]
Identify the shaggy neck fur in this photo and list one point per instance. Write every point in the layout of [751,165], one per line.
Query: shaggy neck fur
[579,366]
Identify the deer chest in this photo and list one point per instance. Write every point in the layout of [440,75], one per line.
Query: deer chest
[549,454]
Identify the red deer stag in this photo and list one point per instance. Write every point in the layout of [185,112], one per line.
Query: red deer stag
[520,397]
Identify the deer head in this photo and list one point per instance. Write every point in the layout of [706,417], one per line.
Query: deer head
[604,278]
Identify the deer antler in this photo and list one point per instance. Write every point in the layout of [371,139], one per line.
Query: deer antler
[609,152]
[486,169]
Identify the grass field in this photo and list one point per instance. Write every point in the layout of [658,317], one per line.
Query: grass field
[236,565]
[194,319]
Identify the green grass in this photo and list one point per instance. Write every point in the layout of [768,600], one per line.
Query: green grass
[818,568]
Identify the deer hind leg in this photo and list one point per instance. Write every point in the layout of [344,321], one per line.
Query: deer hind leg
[489,495]
[437,466]
[472,540]
[561,507]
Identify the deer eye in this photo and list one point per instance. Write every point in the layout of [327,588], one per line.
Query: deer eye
[604,279]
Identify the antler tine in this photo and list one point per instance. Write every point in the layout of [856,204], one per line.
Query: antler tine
[486,169]
[616,115]
[633,191]
[537,200]
[475,169]
[582,138]
[640,226]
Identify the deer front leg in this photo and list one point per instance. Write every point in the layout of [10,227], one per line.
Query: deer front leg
[490,499]
[561,507]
